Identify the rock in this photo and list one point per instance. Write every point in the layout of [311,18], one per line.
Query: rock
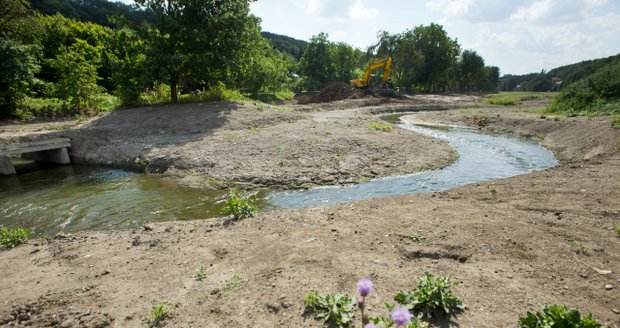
[609,287]
[136,241]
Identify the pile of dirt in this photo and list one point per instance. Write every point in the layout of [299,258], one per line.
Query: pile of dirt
[332,92]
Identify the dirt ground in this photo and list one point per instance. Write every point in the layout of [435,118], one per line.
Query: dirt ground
[515,243]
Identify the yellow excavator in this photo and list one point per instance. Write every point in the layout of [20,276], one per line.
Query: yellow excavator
[366,82]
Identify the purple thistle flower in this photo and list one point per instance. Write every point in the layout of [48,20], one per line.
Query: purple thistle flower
[401,316]
[370,325]
[364,286]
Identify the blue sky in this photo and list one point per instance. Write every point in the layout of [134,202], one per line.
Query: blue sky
[518,36]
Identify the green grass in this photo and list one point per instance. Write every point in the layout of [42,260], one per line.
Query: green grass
[239,206]
[378,126]
[615,123]
[54,107]
[517,98]
[236,282]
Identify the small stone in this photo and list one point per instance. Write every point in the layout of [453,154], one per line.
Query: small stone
[615,311]
[147,228]
[136,241]
[609,287]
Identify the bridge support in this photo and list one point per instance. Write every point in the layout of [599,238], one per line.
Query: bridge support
[6,167]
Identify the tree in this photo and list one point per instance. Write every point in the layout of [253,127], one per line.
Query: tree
[316,62]
[471,71]
[202,41]
[17,69]
[440,57]
[76,67]
[10,11]
[345,60]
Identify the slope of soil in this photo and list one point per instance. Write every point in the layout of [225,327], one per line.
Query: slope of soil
[515,243]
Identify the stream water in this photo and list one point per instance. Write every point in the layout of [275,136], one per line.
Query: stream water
[74,198]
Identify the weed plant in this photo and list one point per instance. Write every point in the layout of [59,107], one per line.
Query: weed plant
[432,298]
[201,273]
[159,313]
[333,309]
[239,206]
[12,237]
[558,316]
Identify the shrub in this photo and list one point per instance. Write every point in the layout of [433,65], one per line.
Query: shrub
[433,297]
[558,316]
[333,309]
[12,237]
[239,206]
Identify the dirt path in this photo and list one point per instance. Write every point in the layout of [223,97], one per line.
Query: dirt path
[534,239]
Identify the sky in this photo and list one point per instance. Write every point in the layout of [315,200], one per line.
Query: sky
[518,36]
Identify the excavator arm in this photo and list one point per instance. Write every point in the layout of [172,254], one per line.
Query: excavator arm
[366,81]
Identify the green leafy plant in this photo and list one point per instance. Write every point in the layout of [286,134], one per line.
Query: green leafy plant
[617,229]
[12,237]
[201,273]
[557,316]
[416,238]
[333,309]
[239,206]
[433,297]
[493,190]
[159,313]
[378,126]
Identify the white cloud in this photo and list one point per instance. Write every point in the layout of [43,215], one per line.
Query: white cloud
[535,11]
[450,7]
[359,11]
[313,6]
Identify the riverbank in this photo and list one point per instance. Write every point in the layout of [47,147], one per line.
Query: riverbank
[514,243]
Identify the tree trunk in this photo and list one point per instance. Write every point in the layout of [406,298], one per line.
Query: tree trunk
[174,80]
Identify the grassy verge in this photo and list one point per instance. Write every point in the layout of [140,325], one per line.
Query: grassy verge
[516,98]
[54,107]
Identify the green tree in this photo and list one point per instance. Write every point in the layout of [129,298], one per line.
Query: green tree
[10,11]
[76,67]
[17,69]
[316,63]
[440,57]
[126,55]
[345,60]
[471,71]
[201,41]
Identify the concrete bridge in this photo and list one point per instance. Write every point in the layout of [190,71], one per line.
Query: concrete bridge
[46,150]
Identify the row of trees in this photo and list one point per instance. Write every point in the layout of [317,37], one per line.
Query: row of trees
[425,59]
[197,45]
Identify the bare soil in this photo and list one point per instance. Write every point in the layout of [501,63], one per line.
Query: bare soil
[515,243]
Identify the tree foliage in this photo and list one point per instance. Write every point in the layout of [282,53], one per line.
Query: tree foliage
[325,61]
[426,59]
[17,73]
[76,68]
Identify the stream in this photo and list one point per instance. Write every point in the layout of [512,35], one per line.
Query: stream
[75,198]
